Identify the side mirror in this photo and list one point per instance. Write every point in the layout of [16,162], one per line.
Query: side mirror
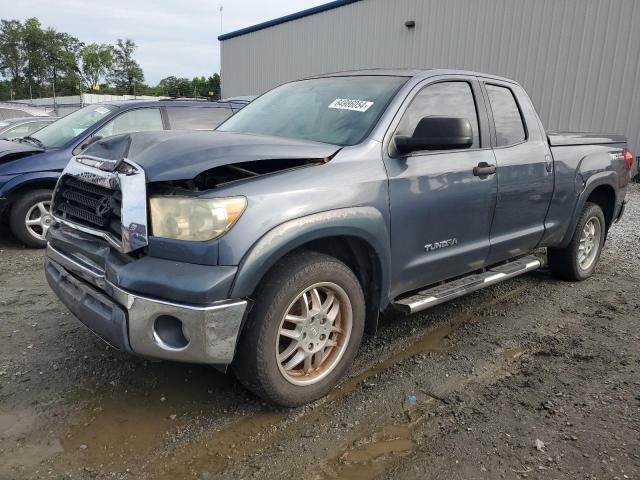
[87,141]
[437,133]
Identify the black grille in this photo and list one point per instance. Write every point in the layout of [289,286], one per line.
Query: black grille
[89,205]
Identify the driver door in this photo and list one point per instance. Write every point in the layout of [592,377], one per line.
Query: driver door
[441,211]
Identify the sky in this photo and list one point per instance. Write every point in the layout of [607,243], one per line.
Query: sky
[174,37]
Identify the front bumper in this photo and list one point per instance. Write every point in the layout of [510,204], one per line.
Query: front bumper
[141,325]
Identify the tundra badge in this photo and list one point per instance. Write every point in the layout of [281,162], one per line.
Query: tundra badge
[429,247]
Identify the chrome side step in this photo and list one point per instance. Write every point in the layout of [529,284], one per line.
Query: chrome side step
[457,288]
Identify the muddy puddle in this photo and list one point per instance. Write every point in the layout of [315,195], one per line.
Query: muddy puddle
[134,424]
[368,457]
[17,438]
[138,426]
[367,460]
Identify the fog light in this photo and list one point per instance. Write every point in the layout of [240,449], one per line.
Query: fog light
[167,332]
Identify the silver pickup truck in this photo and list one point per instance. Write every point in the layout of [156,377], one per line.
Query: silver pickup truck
[273,243]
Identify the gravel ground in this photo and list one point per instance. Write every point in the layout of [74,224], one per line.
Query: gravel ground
[534,378]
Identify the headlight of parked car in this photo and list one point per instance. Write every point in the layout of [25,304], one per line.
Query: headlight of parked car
[193,218]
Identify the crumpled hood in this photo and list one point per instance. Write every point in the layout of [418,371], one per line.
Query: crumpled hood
[10,151]
[182,155]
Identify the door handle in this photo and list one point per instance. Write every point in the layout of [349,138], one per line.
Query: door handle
[484,169]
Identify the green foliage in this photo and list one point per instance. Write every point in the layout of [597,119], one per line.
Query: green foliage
[126,74]
[42,62]
[97,61]
[12,55]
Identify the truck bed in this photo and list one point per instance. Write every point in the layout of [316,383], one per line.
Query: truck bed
[565,139]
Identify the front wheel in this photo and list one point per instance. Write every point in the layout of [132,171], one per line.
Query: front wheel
[304,330]
[30,217]
[578,260]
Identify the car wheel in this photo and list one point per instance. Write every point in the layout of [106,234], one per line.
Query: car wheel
[578,260]
[304,330]
[30,217]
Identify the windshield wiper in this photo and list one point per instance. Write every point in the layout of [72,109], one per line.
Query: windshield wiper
[33,141]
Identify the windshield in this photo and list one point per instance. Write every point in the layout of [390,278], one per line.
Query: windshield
[336,110]
[67,128]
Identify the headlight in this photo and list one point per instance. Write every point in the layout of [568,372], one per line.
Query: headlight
[193,218]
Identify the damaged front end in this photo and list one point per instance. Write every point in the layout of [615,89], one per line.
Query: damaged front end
[117,189]
[134,253]
[225,174]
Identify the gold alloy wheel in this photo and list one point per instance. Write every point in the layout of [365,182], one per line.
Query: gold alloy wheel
[314,333]
[589,243]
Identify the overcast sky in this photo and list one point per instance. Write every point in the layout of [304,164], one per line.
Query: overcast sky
[173,37]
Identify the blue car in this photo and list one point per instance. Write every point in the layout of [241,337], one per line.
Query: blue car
[30,166]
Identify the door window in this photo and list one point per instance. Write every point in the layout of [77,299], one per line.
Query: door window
[444,99]
[23,130]
[196,118]
[506,116]
[139,120]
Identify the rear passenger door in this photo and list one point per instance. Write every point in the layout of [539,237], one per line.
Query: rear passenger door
[525,171]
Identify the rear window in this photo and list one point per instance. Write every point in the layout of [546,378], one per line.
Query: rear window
[506,116]
[196,118]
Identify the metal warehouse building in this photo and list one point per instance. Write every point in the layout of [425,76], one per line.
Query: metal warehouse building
[579,60]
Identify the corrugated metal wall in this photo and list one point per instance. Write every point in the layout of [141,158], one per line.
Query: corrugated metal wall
[578,59]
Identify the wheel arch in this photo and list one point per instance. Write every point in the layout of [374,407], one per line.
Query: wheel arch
[599,189]
[357,236]
[27,182]
[604,195]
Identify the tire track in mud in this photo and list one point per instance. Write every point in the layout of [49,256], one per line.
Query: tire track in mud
[214,452]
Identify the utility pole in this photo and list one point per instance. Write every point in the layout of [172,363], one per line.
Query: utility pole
[221,8]
[55,106]
[220,50]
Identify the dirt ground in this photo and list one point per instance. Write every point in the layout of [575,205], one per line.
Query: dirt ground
[534,378]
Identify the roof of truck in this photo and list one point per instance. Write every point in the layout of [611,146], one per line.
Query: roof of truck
[408,72]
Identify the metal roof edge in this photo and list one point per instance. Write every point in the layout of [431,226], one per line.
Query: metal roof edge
[286,18]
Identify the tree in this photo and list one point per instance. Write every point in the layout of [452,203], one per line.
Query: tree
[97,61]
[12,54]
[176,87]
[125,72]
[213,85]
[61,52]
[34,45]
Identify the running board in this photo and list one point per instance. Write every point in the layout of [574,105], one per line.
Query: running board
[457,288]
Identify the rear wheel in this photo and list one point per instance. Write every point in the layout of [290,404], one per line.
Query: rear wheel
[30,217]
[578,260]
[304,330]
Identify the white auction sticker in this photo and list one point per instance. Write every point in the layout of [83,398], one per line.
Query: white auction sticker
[347,104]
[101,110]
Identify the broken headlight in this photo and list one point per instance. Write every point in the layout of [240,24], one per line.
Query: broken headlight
[193,218]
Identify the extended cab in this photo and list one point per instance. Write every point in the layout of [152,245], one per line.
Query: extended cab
[274,242]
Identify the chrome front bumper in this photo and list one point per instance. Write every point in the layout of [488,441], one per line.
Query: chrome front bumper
[135,323]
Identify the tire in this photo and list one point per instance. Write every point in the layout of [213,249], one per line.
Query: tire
[257,365]
[28,205]
[566,262]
